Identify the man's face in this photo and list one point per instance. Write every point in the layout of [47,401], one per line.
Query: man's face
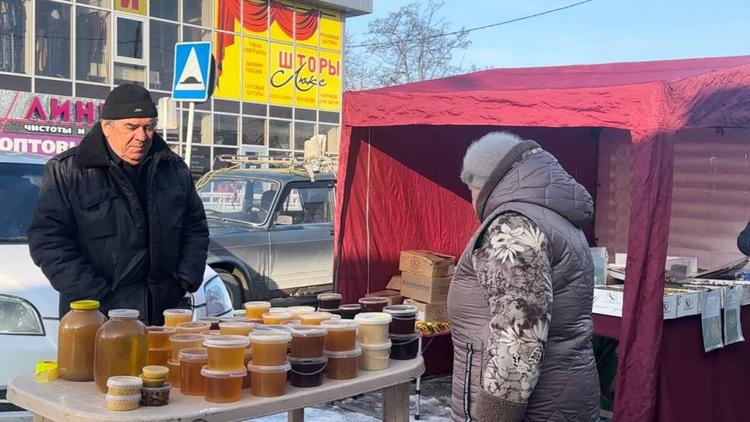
[130,138]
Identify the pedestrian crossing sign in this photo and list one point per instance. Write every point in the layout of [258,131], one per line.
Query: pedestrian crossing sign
[192,63]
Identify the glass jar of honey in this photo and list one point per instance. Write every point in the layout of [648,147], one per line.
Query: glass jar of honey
[307,341]
[226,353]
[342,334]
[121,347]
[269,347]
[174,373]
[192,360]
[255,310]
[172,317]
[158,337]
[183,341]
[223,386]
[76,339]
[193,326]
[268,381]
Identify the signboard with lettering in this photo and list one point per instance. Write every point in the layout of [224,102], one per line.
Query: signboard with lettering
[132,6]
[44,124]
[288,54]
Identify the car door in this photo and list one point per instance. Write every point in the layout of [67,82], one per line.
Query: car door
[301,235]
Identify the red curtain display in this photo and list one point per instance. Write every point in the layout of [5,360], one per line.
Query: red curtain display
[255,18]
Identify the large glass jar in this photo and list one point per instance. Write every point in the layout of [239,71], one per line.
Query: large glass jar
[121,347]
[76,339]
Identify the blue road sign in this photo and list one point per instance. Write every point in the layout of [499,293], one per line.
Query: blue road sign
[192,61]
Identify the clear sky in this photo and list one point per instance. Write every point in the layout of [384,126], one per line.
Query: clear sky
[601,31]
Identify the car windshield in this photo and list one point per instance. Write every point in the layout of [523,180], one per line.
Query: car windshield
[239,199]
[19,188]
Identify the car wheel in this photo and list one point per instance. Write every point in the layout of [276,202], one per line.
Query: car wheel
[234,287]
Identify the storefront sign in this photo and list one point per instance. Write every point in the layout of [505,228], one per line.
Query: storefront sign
[44,124]
[131,6]
[288,55]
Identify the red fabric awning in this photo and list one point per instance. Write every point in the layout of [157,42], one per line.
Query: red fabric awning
[398,179]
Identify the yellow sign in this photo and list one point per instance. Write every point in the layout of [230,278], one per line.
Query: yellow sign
[131,6]
[330,30]
[255,70]
[256,13]
[307,78]
[330,91]
[282,20]
[228,71]
[282,73]
[306,30]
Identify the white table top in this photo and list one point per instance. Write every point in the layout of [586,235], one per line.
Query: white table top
[62,400]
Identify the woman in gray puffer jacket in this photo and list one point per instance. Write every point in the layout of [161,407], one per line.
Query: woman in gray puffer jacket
[520,300]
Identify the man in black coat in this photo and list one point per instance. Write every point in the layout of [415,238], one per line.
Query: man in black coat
[118,217]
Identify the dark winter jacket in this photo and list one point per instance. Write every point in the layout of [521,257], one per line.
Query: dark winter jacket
[91,237]
[536,267]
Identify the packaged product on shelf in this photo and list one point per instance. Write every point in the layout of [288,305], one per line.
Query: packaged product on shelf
[711,320]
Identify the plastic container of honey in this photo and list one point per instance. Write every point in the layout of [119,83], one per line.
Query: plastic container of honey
[342,334]
[121,347]
[214,321]
[314,318]
[375,357]
[248,359]
[158,337]
[404,318]
[226,353]
[155,396]
[307,372]
[183,341]
[278,317]
[298,310]
[193,327]
[373,327]
[192,360]
[255,310]
[308,341]
[343,365]
[404,346]
[268,381]
[223,386]
[269,347]
[237,328]
[373,303]
[123,403]
[350,310]
[159,356]
[172,317]
[76,339]
[174,373]
[329,300]
[124,386]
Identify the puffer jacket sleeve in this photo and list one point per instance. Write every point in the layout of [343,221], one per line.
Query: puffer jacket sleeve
[194,242]
[54,241]
[743,241]
[513,268]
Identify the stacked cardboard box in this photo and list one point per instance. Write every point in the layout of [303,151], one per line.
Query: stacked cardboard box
[426,277]
[391,292]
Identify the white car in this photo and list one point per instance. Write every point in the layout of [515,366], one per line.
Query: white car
[28,303]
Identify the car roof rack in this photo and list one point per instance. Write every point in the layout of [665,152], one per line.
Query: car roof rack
[314,161]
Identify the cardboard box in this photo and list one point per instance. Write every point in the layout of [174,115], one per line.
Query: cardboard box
[429,311]
[395,283]
[425,289]
[426,263]
[394,296]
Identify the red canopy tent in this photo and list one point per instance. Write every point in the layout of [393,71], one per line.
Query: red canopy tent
[401,151]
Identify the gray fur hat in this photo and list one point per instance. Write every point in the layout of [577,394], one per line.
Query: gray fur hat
[483,156]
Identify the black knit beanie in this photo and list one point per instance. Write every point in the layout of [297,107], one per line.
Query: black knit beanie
[128,101]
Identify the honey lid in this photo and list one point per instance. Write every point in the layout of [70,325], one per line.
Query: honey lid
[122,381]
[226,342]
[356,352]
[377,346]
[284,314]
[298,330]
[155,371]
[236,324]
[177,312]
[401,310]
[269,369]
[123,313]
[329,296]
[373,299]
[257,304]
[185,337]
[235,319]
[300,309]
[160,329]
[340,324]
[166,387]
[373,318]
[350,307]
[270,336]
[316,315]
[308,361]
[212,373]
[279,310]
[84,305]
[193,325]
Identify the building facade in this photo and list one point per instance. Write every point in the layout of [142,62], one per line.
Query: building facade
[279,70]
